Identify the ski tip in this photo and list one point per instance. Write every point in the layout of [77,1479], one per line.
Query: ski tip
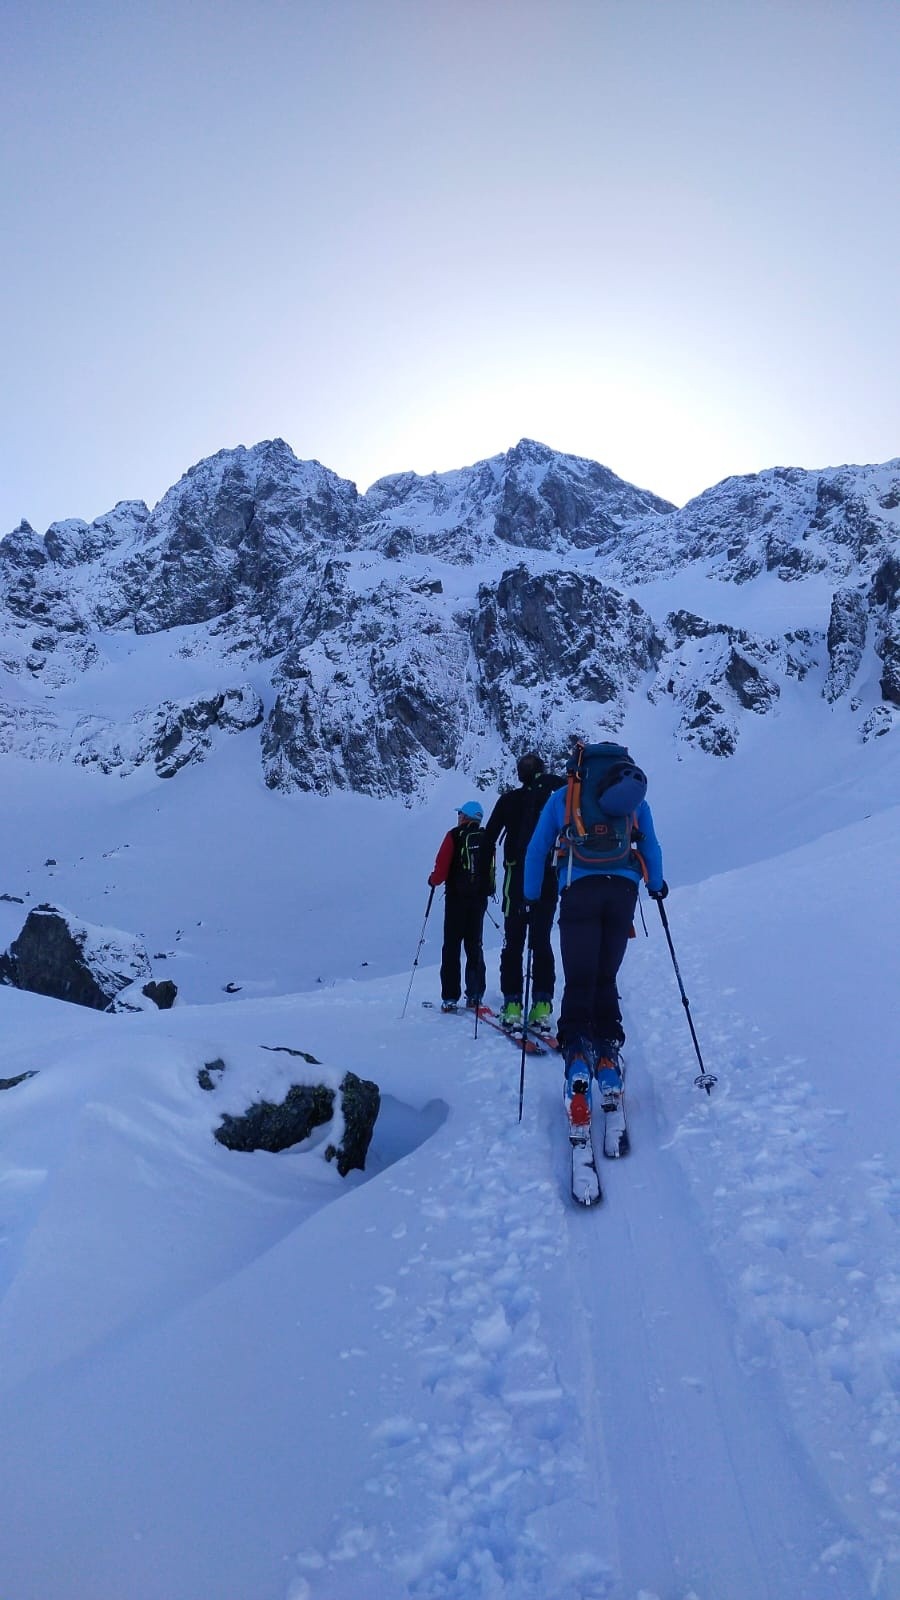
[615,1152]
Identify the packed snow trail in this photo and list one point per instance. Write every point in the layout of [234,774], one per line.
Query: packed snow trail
[700,1486]
[592,1431]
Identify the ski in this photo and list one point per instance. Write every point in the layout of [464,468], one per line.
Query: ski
[616,1142]
[586,1188]
[585,1183]
[535,1044]
[458,1010]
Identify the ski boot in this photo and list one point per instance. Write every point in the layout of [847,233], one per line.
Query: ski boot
[511,1015]
[577,1093]
[449,1005]
[611,1085]
[540,1016]
[608,1072]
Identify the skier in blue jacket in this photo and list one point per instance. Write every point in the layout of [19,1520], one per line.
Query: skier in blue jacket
[595,920]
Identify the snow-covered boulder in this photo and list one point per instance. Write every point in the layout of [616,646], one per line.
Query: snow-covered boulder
[151,996]
[57,954]
[307,1104]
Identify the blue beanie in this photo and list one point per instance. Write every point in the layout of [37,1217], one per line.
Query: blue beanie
[471,809]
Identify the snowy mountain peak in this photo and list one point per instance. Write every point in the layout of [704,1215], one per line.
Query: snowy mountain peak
[447,621]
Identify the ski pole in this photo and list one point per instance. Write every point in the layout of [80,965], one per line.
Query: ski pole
[525,1021]
[480,997]
[704,1080]
[418,953]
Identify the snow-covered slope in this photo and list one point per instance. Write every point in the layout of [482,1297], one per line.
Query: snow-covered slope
[236,1375]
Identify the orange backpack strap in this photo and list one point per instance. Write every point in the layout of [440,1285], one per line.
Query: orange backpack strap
[572,814]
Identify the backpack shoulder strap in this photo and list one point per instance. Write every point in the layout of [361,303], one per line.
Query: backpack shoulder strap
[572,815]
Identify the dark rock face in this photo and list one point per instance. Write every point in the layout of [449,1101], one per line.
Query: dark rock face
[171,735]
[546,496]
[205,1075]
[162,994]
[183,730]
[885,597]
[231,531]
[532,497]
[889,650]
[369,695]
[754,690]
[712,671]
[11,1083]
[787,521]
[58,956]
[846,640]
[707,725]
[557,651]
[264,1126]
[360,1104]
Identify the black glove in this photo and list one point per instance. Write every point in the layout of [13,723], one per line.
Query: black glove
[530,909]
[660,893]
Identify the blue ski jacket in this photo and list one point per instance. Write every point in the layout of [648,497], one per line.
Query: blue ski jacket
[550,824]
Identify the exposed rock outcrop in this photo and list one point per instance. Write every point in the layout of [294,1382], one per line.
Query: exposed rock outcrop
[171,735]
[557,652]
[58,955]
[307,1105]
[846,639]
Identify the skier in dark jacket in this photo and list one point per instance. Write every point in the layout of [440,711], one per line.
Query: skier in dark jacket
[465,867]
[514,818]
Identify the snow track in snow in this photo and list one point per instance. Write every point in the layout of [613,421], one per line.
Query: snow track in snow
[704,1489]
[594,1431]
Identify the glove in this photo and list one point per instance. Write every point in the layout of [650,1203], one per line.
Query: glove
[530,909]
[660,893]
[431,881]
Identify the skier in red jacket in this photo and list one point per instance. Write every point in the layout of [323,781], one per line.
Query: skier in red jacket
[464,866]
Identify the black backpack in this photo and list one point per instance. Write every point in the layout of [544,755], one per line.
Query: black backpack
[473,873]
[604,791]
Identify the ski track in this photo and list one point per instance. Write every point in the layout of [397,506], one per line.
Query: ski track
[763,1157]
[598,1429]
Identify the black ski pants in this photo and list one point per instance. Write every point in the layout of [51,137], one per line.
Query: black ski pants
[595,919]
[543,967]
[463,924]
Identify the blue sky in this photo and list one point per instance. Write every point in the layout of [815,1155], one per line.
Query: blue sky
[404,233]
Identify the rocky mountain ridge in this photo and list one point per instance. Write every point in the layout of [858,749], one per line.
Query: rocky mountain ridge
[443,621]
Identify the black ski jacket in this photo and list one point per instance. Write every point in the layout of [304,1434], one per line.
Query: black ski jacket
[514,817]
